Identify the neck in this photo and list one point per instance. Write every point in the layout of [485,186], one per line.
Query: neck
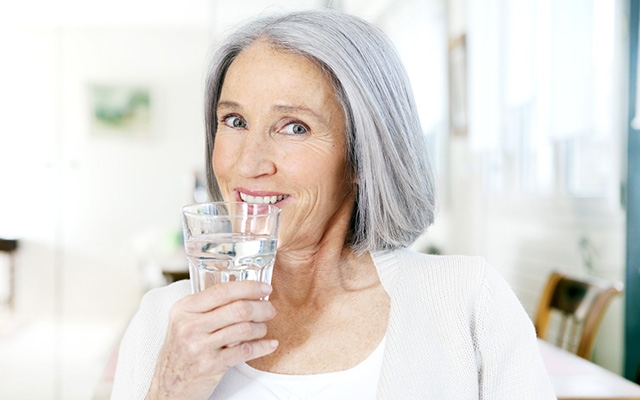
[320,275]
[316,274]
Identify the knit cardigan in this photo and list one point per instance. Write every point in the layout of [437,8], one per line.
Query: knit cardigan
[456,331]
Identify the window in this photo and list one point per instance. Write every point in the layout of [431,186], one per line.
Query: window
[544,96]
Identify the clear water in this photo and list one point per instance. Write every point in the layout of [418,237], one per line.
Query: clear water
[216,258]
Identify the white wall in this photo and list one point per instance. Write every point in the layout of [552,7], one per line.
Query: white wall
[78,201]
[526,236]
[117,188]
[83,198]
[29,185]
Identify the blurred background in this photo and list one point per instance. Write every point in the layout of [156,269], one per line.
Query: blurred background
[525,104]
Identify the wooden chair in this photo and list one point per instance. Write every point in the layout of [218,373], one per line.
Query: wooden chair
[580,302]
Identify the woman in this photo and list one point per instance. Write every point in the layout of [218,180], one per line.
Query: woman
[312,111]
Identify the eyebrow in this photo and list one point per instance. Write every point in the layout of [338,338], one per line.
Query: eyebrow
[228,104]
[285,109]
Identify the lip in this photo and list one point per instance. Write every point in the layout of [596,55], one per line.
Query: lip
[259,193]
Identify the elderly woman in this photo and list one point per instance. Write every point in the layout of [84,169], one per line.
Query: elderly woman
[313,111]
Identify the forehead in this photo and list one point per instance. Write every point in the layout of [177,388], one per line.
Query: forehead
[263,65]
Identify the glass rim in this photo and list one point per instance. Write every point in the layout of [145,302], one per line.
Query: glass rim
[191,209]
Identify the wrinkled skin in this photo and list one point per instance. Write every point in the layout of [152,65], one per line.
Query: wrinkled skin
[209,332]
[280,133]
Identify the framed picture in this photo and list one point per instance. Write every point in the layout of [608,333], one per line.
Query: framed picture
[118,110]
[458,85]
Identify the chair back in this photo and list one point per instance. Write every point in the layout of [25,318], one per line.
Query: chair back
[574,306]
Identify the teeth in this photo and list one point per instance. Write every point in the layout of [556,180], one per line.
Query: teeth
[262,199]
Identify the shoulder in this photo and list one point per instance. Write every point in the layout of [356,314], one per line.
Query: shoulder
[150,321]
[469,285]
[164,297]
[449,265]
[404,266]
[463,281]
[143,339]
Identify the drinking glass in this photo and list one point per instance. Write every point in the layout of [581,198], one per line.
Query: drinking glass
[230,242]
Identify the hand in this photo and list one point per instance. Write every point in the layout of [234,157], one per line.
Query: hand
[209,332]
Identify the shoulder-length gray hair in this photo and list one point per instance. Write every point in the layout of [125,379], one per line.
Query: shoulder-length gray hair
[386,148]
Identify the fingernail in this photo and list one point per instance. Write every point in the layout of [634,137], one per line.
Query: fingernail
[273,343]
[266,288]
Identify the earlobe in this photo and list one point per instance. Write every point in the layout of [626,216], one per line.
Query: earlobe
[354,178]
[351,178]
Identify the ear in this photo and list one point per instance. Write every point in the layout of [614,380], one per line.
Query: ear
[352,177]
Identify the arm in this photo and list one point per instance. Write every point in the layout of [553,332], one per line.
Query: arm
[507,353]
[208,333]
[179,346]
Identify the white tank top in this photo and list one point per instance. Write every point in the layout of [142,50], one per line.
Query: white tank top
[243,382]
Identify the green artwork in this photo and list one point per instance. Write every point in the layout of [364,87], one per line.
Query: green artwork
[121,111]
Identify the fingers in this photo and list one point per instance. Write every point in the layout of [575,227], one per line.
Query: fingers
[228,313]
[237,312]
[218,295]
[246,351]
[238,333]
[209,332]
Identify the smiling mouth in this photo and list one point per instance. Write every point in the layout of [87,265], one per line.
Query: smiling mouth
[262,199]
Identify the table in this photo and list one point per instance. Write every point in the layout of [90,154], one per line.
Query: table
[175,267]
[9,246]
[574,378]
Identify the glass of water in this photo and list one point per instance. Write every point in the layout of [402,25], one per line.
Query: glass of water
[230,242]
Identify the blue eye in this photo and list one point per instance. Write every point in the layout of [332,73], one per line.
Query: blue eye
[234,121]
[295,129]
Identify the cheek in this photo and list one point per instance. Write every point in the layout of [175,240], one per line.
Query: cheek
[326,176]
[221,159]
[223,166]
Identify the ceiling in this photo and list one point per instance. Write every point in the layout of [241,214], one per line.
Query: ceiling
[186,13]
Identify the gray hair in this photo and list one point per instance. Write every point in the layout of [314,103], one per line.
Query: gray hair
[386,148]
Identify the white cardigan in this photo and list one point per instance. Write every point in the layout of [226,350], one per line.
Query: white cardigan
[456,331]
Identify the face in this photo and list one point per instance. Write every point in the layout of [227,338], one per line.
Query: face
[281,140]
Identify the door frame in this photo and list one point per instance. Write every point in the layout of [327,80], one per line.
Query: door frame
[632,287]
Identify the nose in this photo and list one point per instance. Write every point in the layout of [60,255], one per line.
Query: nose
[256,158]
